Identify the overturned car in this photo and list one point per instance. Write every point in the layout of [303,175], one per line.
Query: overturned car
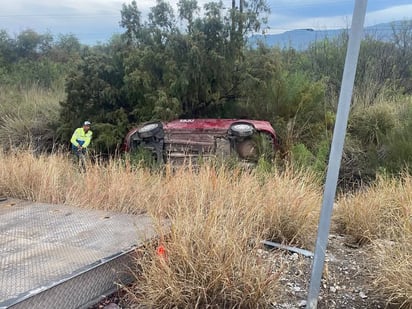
[188,140]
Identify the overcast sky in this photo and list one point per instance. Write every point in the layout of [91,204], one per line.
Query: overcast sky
[97,20]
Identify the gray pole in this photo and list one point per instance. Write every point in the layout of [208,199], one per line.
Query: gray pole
[335,157]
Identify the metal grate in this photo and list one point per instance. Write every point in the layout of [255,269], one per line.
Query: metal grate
[79,290]
[46,248]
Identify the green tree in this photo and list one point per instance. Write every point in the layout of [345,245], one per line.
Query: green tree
[131,21]
[198,68]
[161,72]
[7,49]
[188,9]
[32,45]
[289,98]
[67,48]
[94,92]
[402,38]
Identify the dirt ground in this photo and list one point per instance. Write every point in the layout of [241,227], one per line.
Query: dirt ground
[345,282]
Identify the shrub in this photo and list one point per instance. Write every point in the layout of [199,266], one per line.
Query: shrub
[303,158]
[398,147]
[370,124]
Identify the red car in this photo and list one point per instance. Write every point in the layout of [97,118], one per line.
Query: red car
[188,139]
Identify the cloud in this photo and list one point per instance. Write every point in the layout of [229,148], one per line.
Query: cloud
[99,19]
[95,19]
[399,12]
[282,23]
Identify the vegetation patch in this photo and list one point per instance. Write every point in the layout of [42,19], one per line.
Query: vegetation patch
[382,215]
[382,211]
[394,270]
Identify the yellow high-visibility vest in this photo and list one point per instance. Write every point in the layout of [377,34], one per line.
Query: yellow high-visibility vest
[81,138]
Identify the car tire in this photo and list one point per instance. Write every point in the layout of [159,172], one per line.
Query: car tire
[241,129]
[150,130]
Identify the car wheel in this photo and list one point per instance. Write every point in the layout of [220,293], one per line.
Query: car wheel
[241,129]
[150,130]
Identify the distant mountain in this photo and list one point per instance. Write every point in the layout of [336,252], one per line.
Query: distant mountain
[300,39]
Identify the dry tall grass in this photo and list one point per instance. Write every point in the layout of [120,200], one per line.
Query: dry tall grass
[218,215]
[217,218]
[382,211]
[56,179]
[210,255]
[27,113]
[382,214]
[393,277]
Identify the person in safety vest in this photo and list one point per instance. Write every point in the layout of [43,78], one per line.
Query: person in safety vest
[81,139]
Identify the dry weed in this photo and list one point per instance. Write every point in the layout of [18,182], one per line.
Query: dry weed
[56,179]
[26,115]
[217,214]
[289,207]
[210,255]
[393,276]
[382,211]
[382,214]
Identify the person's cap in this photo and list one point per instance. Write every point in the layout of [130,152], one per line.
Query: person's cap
[87,123]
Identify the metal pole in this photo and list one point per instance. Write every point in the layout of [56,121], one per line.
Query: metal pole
[335,157]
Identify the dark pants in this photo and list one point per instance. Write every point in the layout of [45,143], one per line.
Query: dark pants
[78,152]
[79,158]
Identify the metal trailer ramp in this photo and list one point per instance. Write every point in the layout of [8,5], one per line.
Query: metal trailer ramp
[56,256]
